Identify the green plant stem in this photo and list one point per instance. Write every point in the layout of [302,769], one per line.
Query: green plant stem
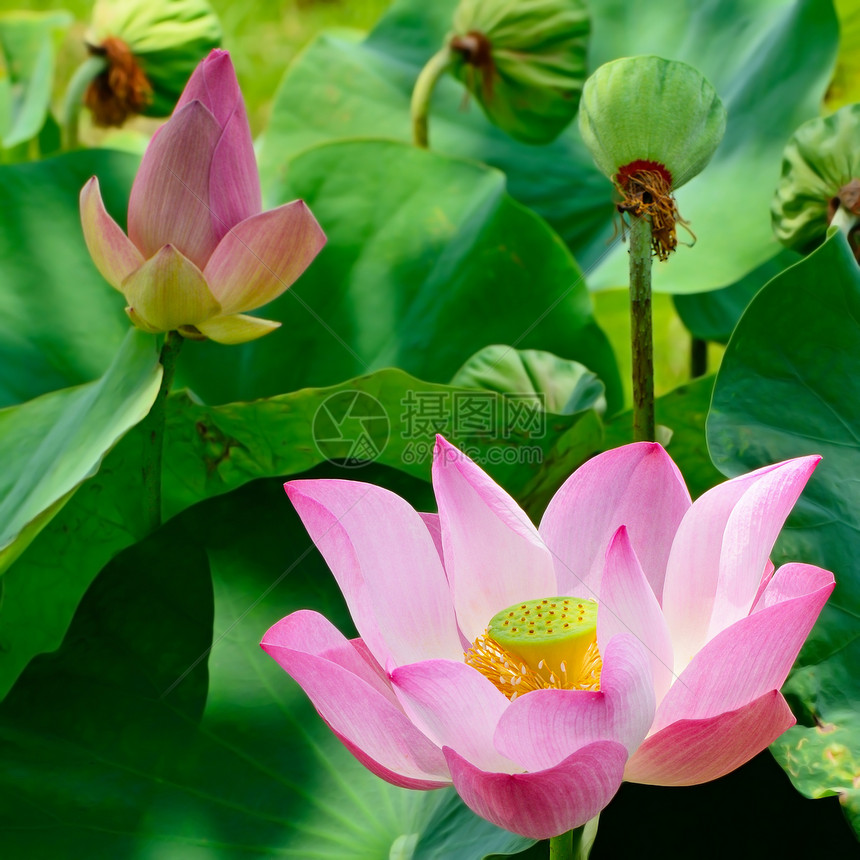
[843,219]
[423,92]
[698,358]
[74,98]
[153,441]
[641,331]
[575,844]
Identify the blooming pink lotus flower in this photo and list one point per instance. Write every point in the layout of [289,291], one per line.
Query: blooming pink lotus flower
[480,661]
[199,252]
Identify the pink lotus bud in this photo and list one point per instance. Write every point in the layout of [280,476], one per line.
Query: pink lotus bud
[199,252]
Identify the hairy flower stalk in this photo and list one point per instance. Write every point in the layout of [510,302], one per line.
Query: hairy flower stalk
[422,94]
[679,633]
[651,125]
[152,428]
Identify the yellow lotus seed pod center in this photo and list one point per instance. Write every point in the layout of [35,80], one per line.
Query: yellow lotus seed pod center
[549,643]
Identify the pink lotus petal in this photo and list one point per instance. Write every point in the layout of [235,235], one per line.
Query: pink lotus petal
[455,706]
[755,654]
[690,752]
[494,556]
[638,486]
[751,531]
[541,729]
[435,529]
[765,579]
[237,328]
[234,192]
[313,633]
[141,323]
[214,84]
[112,251]
[169,291]
[547,803]
[793,581]
[386,565]
[710,548]
[628,605]
[234,189]
[261,257]
[387,774]
[362,716]
[169,201]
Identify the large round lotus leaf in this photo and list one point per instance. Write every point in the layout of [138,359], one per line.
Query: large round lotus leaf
[790,385]
[713,315]
[60,322]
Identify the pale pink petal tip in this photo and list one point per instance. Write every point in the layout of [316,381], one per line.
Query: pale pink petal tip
[396,591]
[353,701]
[494,556]
[637,486]
[263,256]
[112,251]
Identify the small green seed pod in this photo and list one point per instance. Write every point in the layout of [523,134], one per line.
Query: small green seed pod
[651,109]
[524,61]
[820,173]
[651,125]
[151,47]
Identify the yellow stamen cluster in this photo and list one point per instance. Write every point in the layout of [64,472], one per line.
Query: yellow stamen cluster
[514,678]
[545,644]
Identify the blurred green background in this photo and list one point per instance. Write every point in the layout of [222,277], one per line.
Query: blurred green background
[262,35]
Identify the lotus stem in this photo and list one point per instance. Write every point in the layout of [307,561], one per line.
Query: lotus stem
[641,330]
[845,220]
[423,92]
[153,425]
[74,98]
[575,844]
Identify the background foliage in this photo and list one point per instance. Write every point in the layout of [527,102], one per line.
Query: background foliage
[140,718]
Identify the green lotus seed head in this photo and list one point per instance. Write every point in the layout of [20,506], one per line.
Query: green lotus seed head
[524,61]
[647,109]
[820,173]
[151,47]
